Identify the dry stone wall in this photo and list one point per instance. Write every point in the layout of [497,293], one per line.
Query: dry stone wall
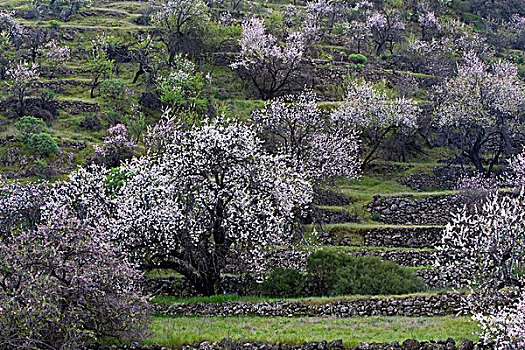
[391,237]
[415,210]
[414,306]
[229,344]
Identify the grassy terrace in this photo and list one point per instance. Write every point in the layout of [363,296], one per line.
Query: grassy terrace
[179,331]
[169,300]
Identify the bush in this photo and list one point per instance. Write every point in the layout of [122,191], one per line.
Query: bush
[43,143]
[284,283]
[341,274]
[357,58]
[114,88]
[62,285]
[30,125]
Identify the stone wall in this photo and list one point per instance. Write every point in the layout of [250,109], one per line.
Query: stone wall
[414,210]
[230,344]
[402,237]
[408,257]
[78,107]
[414,306]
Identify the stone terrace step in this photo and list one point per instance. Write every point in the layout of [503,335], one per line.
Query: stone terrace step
[402,257]
[381,235]
[416,210]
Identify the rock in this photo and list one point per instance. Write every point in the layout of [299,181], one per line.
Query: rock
[466,344]
[411,344]
[335,345]
[363,346]
[28,14]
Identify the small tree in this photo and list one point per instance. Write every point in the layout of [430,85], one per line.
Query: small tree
[370,109]
[20,206]
[182,87]
[28,126]
[56,54]
[386,28]
[20,77]
[481,107]
[117,147]
[177,22]
[270,66]
[100,66]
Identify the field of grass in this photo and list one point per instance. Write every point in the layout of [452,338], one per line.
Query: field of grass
[178,331]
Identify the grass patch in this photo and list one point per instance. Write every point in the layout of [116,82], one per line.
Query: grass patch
[297,330]
[168,300]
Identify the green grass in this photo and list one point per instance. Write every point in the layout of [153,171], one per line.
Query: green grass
[168,300]
[297,330]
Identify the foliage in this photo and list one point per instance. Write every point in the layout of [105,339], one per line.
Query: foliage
[340,274]
[357,58]
[62,284]
[27,126]
[283,283]
[43,143]
[182,87]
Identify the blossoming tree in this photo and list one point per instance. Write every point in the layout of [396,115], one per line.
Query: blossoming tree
[211,190]
[294,126]
[269,65]
[63,284]
[481,108]
[369,109]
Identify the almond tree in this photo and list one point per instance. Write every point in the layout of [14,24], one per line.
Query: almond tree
[56,54]
[20,78]
[483,249]
[212,190]
[386,28]
[294,126]
[369,108]
[176,22]
[481,108]
[270,66]
[100,66]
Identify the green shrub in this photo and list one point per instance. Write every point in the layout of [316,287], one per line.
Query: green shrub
[342,274]
[30,125]
[113,88]
[54,23]
[284,283]
[357,58]
[43,143]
